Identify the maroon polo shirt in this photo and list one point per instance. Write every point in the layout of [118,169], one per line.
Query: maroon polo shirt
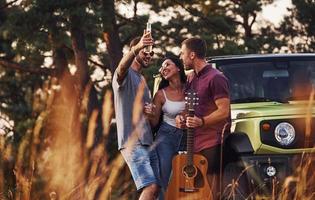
[210,85]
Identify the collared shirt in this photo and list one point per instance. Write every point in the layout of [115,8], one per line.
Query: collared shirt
[124,98]
[210,85]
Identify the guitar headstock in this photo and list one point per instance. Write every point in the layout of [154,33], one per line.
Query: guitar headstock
[191,101]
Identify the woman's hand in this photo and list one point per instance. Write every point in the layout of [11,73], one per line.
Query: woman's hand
[180,121]
[149,109]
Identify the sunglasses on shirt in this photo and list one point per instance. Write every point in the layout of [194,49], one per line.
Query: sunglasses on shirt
[148,53]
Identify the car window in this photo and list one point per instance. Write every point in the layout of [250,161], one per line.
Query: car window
[269,81]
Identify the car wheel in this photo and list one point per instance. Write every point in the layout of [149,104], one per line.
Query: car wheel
[235,183]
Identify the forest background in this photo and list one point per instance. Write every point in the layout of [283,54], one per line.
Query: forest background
[56,61]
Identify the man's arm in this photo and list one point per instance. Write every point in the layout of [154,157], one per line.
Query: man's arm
[223,111]
[125,63]
[220,114]
[128,58]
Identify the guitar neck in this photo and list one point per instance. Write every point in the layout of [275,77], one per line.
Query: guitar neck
[190,141]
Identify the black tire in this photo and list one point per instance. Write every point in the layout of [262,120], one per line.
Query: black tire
[235,182]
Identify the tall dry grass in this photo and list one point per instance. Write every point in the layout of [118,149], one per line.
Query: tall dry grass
[301,185]
[60,157]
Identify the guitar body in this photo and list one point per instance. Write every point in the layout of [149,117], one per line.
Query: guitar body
[189,182]
[189,179]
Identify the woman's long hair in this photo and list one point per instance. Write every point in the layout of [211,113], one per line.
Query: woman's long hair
[178,63]
[164,83]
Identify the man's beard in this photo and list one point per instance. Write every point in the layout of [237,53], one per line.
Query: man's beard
[187,67]
[141,62]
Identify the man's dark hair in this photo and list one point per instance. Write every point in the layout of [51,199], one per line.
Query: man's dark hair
[134,41]
[196,45]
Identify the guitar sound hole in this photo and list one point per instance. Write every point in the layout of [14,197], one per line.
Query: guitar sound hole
[190,171]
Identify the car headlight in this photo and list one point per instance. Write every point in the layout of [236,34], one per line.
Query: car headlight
[284,133]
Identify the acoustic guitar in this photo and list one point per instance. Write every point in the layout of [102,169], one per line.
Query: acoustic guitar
[189,176]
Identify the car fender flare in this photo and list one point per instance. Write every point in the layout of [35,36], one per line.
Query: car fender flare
[239,143]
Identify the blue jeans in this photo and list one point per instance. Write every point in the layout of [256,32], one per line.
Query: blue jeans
[143,165]
[168,140]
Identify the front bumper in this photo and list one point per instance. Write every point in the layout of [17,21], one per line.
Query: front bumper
[268,175]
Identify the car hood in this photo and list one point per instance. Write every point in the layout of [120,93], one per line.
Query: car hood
[267,109]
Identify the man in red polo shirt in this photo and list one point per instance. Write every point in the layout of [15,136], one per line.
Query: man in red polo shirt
[212,116]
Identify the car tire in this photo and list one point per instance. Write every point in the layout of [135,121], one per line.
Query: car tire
[235,183]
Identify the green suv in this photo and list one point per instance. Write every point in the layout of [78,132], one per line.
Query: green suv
[272,111]
[272,126]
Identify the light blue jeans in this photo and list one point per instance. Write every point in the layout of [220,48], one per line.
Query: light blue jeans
[143,165]
[169,140]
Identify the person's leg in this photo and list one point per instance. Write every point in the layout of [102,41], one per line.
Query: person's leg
[165,154]
[149,192]
[138,161]
[183,141]
[168,141]
[214,183]
[154,161]
[213,174]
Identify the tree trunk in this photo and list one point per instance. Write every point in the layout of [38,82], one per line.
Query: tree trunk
[110,34]
[64,127]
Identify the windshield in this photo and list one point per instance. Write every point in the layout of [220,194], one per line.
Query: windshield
[270,81]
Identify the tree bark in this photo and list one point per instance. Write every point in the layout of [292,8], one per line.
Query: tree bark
[110,34]
[64,128]
[80,54]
